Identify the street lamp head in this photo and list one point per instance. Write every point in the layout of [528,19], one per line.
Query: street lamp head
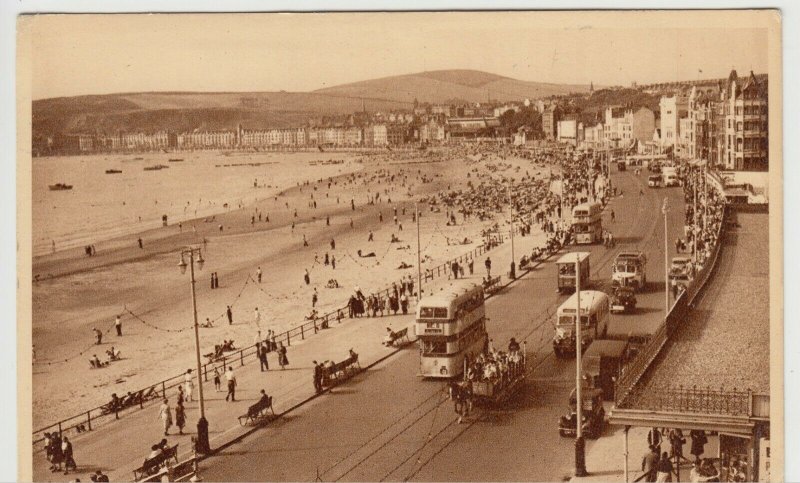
[182,265]
[200,260]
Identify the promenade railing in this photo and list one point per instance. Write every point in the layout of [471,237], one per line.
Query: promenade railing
[624,390]
[89,419]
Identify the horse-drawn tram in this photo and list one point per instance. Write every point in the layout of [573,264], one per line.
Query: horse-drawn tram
[506,381]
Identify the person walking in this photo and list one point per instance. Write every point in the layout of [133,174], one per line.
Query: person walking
[262,357]
[471,266]
[258,274]
[229,313]
[307,277]
[649,465]
[699,441]
[69,457]
[282,359]
[257,317]
[488,265]
[231,378]
[180,417]
[654,439]
[664,469]
[118,326]
[98,335]
[189,383]
[165,414]
[314,298]
[217,380]
[317,377]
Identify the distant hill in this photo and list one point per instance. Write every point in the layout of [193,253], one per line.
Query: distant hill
[184,111]
[443,85]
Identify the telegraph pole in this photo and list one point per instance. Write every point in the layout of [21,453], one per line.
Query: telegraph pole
[419,256]
[665,210]
[580,444]
[511,204]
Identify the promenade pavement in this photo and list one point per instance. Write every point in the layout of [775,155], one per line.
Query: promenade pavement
[119,447]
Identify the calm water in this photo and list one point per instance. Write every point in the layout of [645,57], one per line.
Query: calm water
[102,206]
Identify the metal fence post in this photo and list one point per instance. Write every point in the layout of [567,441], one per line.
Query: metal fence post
[241,357]
[302,333]
[288,339]
[163,389]
[59,428]
[89,419]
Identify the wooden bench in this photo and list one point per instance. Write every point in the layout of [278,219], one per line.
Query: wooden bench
[256,412]
[340,371]
[152,466]
[401,335]
[492,285]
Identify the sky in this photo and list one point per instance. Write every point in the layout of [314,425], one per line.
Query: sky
[98,54]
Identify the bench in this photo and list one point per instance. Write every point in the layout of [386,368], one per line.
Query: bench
[492,285]
[256,412]
[340,371]
[400,335]
[152,466]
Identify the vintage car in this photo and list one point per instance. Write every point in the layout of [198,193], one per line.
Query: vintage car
[623,300]
[621,166]
[654,181]
[680,266]
[593,415]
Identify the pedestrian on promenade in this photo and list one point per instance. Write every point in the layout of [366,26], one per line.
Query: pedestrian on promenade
[229,312]
[262,356]
[699,441]
[664,469]
[181,395]
[217,382]
[257,317]
[69,458]
[189,384]
[676,442]
[314,298]
[649,464]
[282,359]
[118,326]
[258,274]
[654,439]
[98,335]
[488,265]
[404,303]
[180,417]
[231,378]
[317,377]
[56,455]
[454,269]
[165,414]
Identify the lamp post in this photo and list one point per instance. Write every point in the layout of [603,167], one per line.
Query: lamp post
[665,210]
[511,205]
[419,256]
[202,445]
[580,444]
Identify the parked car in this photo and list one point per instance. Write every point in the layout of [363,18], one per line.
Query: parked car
[593,415]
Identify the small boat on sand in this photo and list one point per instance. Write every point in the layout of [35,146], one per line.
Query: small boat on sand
[176,160]
[156,167]
[60,187]
[113,171]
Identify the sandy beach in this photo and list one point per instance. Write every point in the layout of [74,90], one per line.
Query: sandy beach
[77,293]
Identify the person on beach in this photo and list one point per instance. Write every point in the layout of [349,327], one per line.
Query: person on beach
[333,262]
[333,244]
[229,313]
[371,237]
[118,326]
[189,383]
[165,414]
[314,298]
[231,378]
[217,381]
[98,335]
[258,274]
[141,245]
[307,277]
[257,318]
[180,417]
[212,281]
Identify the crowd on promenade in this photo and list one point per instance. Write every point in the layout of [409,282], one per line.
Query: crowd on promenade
[710,209]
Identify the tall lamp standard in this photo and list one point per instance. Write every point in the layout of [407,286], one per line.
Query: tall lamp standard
[665,210]
[580,444]
[195,254]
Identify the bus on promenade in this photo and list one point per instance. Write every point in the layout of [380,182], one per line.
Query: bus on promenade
[451,328]
[587,224]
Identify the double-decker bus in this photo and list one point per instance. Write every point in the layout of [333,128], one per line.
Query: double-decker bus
[451,328]
[587,224]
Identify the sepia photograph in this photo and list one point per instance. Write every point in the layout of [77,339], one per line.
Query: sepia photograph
[400,246]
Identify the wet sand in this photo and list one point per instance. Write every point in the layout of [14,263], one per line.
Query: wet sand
[86,292]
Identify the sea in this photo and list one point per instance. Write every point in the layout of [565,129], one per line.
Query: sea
[104,206]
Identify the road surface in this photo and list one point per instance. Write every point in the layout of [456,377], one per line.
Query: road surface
[387,424]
